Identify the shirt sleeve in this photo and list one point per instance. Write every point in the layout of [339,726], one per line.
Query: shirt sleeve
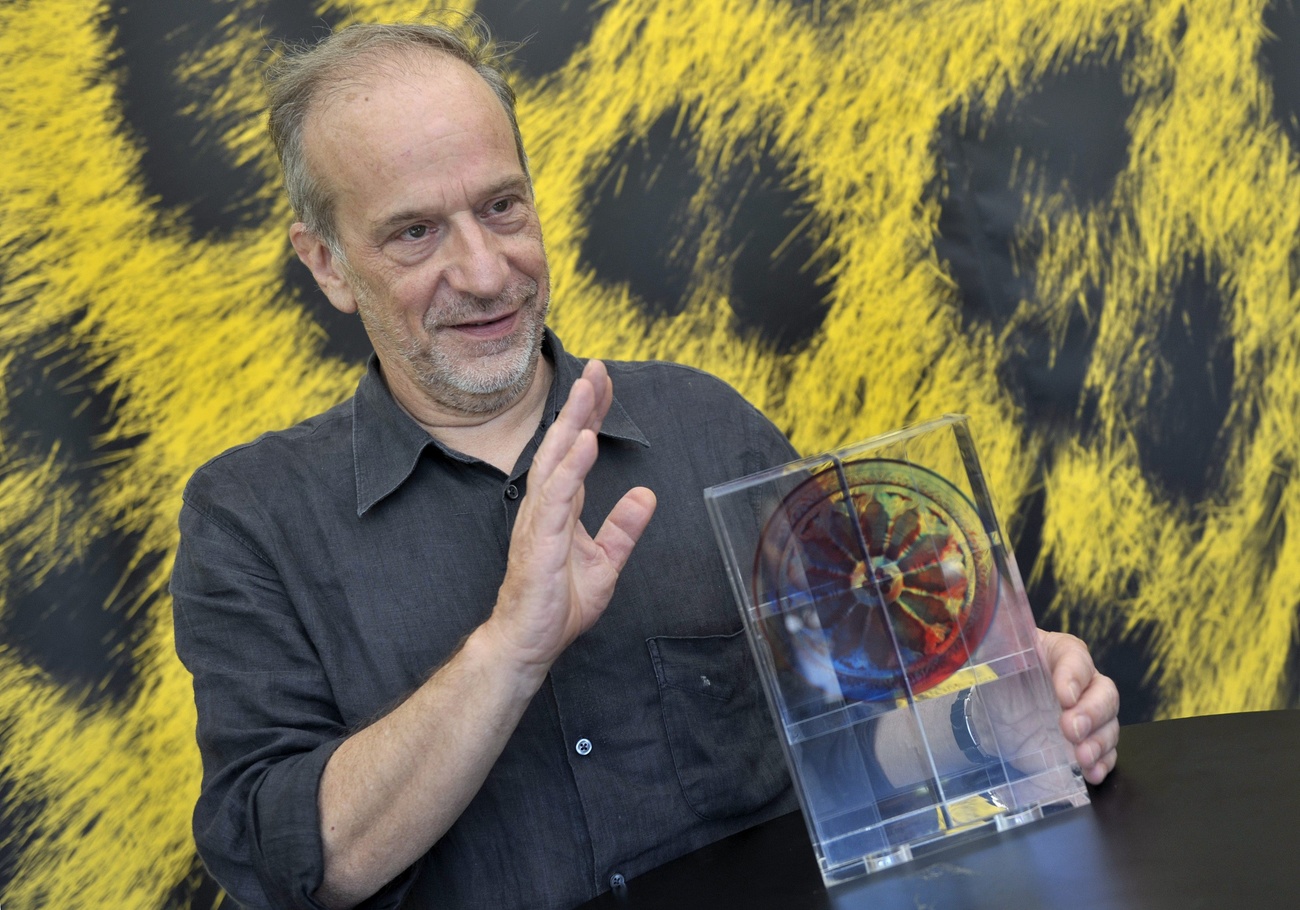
[267,719]
[767,445]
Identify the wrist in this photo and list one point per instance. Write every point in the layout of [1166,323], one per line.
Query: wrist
[496,650]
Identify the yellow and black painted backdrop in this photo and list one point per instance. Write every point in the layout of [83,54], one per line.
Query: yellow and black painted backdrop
[1075,220]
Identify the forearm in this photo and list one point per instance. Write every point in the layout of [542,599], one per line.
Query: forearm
[394,788]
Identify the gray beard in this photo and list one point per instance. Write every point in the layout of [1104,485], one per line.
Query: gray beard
[477,393]
[469,390]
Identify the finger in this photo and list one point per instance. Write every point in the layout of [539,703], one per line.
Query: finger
[1098,772]
[562,434]
[1097,707]
[625,524]
[1069,664]
[1104,739]
[603,390]
[559,496]
[589,401]
[1098,754]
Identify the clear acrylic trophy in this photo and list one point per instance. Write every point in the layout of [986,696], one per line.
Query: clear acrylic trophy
[896,646]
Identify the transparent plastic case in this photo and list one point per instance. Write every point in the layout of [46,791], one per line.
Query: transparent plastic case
[896,646]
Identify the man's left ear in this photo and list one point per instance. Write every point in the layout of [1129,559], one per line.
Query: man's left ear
[320,259]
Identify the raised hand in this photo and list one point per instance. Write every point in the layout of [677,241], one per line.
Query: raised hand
[559,578]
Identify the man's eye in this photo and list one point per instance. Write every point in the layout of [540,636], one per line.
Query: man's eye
[501,206]
[416,231]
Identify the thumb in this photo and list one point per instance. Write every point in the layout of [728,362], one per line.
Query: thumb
[624,525]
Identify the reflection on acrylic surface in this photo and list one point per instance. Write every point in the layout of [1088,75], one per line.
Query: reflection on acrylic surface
[875,577]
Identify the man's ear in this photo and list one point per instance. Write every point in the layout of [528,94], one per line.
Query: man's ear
[318,257]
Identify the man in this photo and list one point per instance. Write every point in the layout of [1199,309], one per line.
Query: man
[420,679]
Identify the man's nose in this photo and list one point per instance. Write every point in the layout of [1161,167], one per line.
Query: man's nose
[476,261]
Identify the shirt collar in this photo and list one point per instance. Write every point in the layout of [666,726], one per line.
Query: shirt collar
[387,443]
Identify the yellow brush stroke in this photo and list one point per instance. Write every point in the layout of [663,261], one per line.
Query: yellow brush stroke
[848,96]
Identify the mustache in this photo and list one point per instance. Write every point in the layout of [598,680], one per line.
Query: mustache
[461,306]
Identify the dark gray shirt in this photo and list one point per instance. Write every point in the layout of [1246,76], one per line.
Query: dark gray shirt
[325,571]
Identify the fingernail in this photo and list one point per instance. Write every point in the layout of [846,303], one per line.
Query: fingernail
[1074,694]
[1089,754]
[1082,727]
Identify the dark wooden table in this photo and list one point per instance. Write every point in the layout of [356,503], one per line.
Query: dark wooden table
[1200,813]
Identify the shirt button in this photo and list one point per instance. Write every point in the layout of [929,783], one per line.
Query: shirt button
[512,491]
[617,881]
[582,746]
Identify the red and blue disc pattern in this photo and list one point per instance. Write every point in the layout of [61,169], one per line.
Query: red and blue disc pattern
[875,578]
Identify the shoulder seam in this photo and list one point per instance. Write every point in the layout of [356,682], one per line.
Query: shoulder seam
[231,532]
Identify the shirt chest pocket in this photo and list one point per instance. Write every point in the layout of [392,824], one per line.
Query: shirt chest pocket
[725,751]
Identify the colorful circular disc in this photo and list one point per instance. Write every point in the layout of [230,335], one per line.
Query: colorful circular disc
[888,587]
